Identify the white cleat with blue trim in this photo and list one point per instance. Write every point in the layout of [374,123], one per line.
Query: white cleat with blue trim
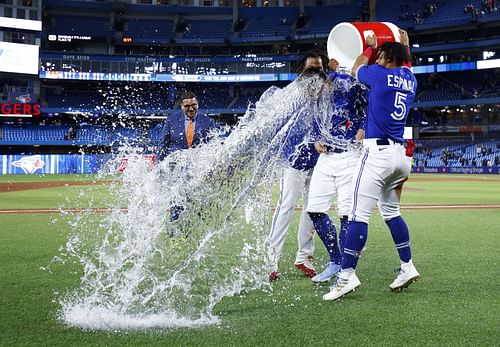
[347,282]
[407,275]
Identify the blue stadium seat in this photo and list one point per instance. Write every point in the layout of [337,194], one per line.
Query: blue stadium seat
[150,31]
[209,29]
[85,26]
[269,21]
[324,18]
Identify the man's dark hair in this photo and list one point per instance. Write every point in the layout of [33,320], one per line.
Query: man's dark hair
[395,52]
[188,95]
[312,54]
[313,71]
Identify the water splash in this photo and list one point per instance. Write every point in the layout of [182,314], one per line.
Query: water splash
[135,275]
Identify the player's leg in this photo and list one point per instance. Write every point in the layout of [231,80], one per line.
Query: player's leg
[345,190]
[305,234]
[389,209]
[290,186]
[175,212]
[321,192]
[344,225]
[366,184]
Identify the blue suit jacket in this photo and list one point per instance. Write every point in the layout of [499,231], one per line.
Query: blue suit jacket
[173,135]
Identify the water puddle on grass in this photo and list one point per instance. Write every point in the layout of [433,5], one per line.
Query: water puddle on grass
[142,271]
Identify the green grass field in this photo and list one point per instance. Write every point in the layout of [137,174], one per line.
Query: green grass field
[456,302]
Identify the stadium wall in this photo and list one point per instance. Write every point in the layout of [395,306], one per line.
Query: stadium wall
[52,163]
[495,170]
[92,163]
[37,164]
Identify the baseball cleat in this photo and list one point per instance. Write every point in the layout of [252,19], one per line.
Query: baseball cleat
[346,283]
[273,276]
[330,271]
[306,268]
[407,275]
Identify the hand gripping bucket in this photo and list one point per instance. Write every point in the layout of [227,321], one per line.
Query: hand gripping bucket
[347,40]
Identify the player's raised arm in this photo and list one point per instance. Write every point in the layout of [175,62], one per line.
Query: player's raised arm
[403,38]
[405,41]
[364,57]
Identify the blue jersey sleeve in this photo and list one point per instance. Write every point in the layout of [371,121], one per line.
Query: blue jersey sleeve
[368,73]
[332,75]
[316,130]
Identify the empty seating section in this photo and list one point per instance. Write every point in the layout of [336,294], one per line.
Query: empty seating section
[85,26]
[52,134]
[126,135]
[209,98]
[39,134]
[322,19]
[209,29]
[93,134]
[155,133]
[392,10]
[244,100]
[458,86]
[73,99]
[269,21]
[438,95]
[137,98]
[150,30]
[85,135]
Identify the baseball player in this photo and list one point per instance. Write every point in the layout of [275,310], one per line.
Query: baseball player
[332,175]
[383,166]
[295,179]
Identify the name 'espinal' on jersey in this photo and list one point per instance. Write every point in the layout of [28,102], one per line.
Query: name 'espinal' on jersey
[400,83]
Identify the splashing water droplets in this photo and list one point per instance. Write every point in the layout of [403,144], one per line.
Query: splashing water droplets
[135,274]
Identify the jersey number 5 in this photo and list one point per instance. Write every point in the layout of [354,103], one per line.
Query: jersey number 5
[399,104]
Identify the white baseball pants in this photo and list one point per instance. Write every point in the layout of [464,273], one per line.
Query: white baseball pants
[380,170]
[292,183]
[332,177]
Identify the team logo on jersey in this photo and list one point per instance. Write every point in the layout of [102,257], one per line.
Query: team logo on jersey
[30,164]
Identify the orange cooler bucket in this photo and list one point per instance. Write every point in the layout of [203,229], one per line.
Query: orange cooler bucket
[347,40]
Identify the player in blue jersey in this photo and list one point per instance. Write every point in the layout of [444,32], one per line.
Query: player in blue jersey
[383,166]
[302,157]
[338,143]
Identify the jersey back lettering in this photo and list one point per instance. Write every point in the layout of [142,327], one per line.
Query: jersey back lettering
[392,92]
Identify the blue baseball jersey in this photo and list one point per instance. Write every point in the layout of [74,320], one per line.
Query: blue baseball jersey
[300,154]
[391,96]
[350,101]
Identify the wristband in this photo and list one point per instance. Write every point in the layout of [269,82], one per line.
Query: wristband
[408,63]
[368,52]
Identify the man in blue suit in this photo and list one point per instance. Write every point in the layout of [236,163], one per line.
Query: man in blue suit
[186,130]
